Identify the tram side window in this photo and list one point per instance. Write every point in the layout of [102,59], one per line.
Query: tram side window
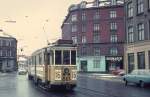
[58,57]
[66,57]
[40,59]
[51,57]
[73,57]
[48,58]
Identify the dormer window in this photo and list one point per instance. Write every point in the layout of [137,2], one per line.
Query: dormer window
[113,2]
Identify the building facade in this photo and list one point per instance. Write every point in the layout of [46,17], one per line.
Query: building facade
[97,28]
[8,54]
[137,48]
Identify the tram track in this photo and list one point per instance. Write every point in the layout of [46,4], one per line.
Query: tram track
[78,92]
[92,93]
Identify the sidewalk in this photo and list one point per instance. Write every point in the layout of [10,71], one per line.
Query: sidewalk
[109,77]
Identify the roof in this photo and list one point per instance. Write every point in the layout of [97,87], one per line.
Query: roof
[5,35]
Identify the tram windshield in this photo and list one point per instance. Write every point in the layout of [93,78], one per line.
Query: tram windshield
[58,57]
[73,57]
[65,57]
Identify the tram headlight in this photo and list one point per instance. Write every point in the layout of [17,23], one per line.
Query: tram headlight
[74,74]
[57,74]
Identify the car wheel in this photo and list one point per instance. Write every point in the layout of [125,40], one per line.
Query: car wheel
[142,84]
[126,82]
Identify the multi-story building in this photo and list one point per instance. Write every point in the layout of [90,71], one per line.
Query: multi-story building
[97,28]
[137,49]
[8,53]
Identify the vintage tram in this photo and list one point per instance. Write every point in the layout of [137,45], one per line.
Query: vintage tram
[54,65]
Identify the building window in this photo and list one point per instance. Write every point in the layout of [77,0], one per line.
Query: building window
[113,2]
[113,26]
[130,62]
[130,9]
[74,28]
[7,43]
[83,28]
[83,38]
[96,51]
[74,18]
[140,29]
[113,38]
[83,51]
[96,37]
[4,42]
[140,6]
[96,63]
[141,60]
[130,34]
[96,15]
[74,39]
[83,17]
[113,14]
[113,51]
[96,27]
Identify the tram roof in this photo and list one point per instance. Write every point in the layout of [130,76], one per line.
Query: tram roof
[58,44]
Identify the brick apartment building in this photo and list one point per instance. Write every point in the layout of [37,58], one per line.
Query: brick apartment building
[98,30]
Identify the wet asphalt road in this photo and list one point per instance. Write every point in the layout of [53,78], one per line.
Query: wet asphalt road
[13,85]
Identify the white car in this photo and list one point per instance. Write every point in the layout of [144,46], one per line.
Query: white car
[22,71]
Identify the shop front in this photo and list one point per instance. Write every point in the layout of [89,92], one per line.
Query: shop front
[114,63]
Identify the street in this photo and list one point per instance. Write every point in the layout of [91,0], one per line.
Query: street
[14,85]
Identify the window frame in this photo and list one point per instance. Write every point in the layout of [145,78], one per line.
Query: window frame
[96,64]
[74,18]
[96,27]
[74,28]
[74,39]
[114,51]
[140,7]
[96,15]
[139,54]
[113,26]
[83,16]
[113,38]
[96,37]
[141,31]
[83,39]
[130,10]
[130,34]
[113,14]
[96,51]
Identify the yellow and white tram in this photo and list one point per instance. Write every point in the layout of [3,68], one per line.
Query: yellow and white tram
[54,65]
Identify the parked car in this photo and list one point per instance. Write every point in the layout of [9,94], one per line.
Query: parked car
[119,72]
[22,71]
[139,77]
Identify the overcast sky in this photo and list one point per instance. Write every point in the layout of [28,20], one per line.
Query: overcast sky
[31,16]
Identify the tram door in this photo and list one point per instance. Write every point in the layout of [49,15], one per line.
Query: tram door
[83,65]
